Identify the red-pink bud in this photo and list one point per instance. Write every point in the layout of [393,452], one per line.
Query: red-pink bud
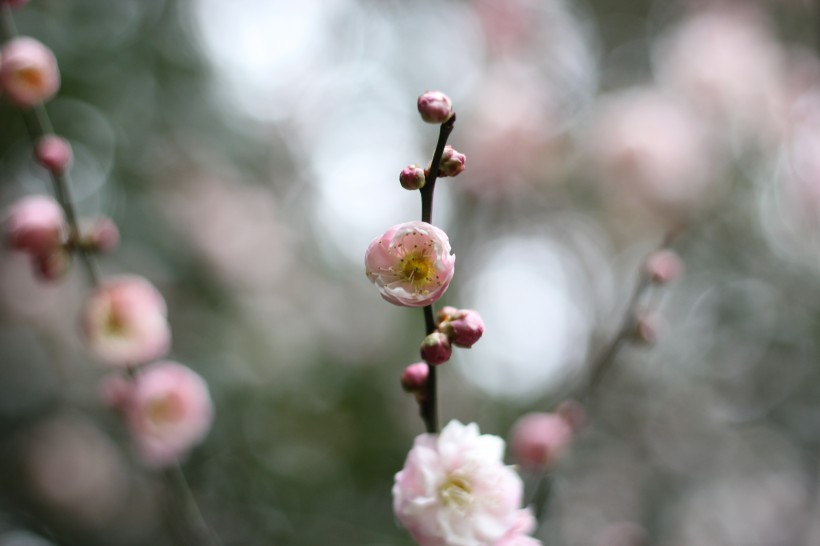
[446,313]
[54,153]
[648,328]
[539,439]
[52,266]
[436,349]
[435,107]
[414,377]
[452,162]
[15,3]
[464,328]
[100,234]
[663,266]
[412,177]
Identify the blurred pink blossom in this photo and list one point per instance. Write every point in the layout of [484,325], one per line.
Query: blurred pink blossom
[35,225]
[168,410]
[728,62]
[125,322]
[411,264]
[649,148]
[663,266]
[455,490]
[539,439]
[28,72]
[518,534]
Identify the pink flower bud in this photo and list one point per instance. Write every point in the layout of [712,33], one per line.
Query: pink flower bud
[54,153]
[452,162]
[28,72]
[414,377]
[463,328]
[52,266]
[573,413]
[168,411]
[539,439]
[100,234]
[412,178]
[663,266]
[36,225]
[435,107]
[446,313]
[435,349]
[411,264]
[124,322]
[648,328]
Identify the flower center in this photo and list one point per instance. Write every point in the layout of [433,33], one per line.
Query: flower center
[30,76]
[456,492]
[165,409]
[416,268]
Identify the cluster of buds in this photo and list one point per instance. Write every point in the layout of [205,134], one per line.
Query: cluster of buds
[36,225]
[459,327]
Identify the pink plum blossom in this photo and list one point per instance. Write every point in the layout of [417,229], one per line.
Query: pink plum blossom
[54,153]
[411,264]
[435,107]
[35,225]
[125,322]
[168,411]
[518,534]
[28,72]
[455,490]
[539,439]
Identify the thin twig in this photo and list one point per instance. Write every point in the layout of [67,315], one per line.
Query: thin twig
[428,405]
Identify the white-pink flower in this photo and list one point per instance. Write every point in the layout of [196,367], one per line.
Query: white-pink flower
[455,490]
[125,322]
[411,264]
[168,411]
[28,72]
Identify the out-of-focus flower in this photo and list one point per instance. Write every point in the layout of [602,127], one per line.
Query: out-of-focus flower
[15,3]
[436,349]
[728,62]
[411,264]
[414,377]
[452,162]
[647,147]
[168,410]
[125,322]
[455,490]
[99,234]
[463,326]
[412,178]
[28,72]
[52,266]
[435,107]
[539,439]
[517,536]
[35,225]
[663,266]
[54,153]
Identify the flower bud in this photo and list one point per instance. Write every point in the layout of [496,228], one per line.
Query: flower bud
[35,225]
[54,153]
[573,413]
[412,178]
[663,266]
[435,107]
[446,313]
[100,234]
[28,72]
[452,162]
[14,3]
[436,349]
[414,377]
[539,439]
[52,266]
[464,328]
[648,328]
